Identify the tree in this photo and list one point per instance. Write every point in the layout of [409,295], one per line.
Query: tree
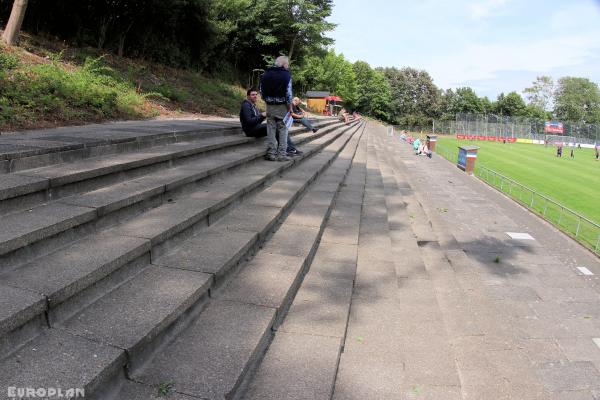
[373,91]
[11,33]
[447,102]
[257,31]
[541,93]
[415,98]
[332,73]
[577,99]
[466,101]
[510,105]
[533,111]
[486,105]
[308,23]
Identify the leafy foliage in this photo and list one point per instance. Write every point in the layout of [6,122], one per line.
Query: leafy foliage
[332,72]
[415,98]
[373,91]
[71,88]
[577,99]
[510,105]
[42,90]
[541,93]
[234,39]
[204,34]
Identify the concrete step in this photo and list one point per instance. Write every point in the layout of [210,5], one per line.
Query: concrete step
[62,179]
[60,360]
[57,223]
[213,356]
[64,275]
[32,186]
[395,310]
[166,221]
[369,363]
[60,279]
[132,316]
[84,296]
[302,360]
[33,149]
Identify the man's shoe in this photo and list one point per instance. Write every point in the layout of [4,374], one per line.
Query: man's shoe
[294,152]
[315,130]
[270,157]
[284,158]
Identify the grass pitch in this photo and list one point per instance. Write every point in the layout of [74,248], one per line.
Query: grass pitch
[573,182]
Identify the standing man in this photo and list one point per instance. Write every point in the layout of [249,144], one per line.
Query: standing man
[276,91]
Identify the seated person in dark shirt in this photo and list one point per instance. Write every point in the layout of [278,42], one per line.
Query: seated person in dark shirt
[300,116]
[252,121]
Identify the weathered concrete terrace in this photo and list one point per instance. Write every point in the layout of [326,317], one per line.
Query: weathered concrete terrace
[145,259]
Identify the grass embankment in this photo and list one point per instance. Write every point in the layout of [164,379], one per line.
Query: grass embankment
[44,84]
[572,182]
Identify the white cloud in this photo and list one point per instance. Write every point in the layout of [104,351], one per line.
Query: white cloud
[483,62]
[491,45]
[557,47]
[484,9]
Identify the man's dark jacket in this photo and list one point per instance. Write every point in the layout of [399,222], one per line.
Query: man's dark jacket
[250,116]
[274,85]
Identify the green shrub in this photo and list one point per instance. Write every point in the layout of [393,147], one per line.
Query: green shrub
[171,92]
[50,89]
[8,61]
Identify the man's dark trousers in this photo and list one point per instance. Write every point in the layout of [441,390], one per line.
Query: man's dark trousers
[261,131]
[258,131]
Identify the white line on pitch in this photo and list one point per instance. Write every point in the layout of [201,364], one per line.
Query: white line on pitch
[597,341]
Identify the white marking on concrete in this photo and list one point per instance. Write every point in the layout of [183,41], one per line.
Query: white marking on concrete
[597,341]
[520,236]
[585,271]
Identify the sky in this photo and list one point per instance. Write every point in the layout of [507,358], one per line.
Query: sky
[493,46]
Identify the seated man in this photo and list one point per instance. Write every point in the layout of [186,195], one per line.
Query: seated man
[251,119]
[344,116]
[299,115]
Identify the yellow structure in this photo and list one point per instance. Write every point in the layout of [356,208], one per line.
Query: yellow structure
[316,105]
[316,100]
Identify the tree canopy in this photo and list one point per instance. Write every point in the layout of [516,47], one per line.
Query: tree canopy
[577,99]
[237,37]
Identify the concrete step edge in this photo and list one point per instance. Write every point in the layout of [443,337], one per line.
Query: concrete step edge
[106,375]
[257,351]
[92,216]
[288,366]
[133,262]
[44,183]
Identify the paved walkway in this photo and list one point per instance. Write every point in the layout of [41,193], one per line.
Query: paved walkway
[448,306]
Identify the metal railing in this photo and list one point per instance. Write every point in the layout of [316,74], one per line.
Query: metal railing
[582,229]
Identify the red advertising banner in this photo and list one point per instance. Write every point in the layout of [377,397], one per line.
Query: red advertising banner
[553,127]
[488,138]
